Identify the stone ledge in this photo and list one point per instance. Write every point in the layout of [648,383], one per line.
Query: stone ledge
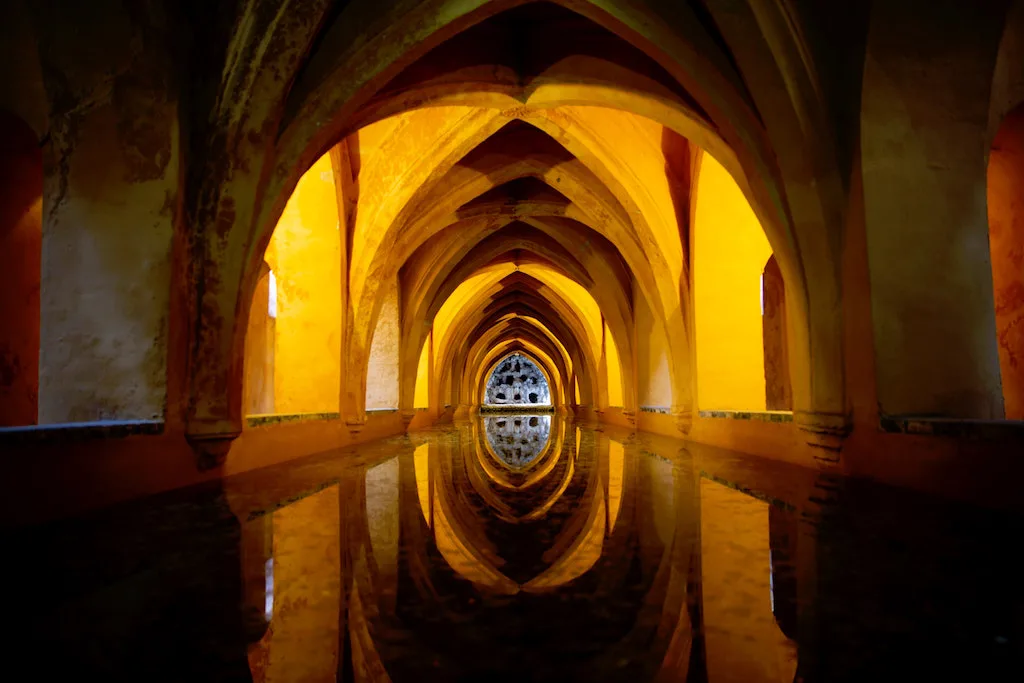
[771,500]
[381,411]
[74,431]
[515,408]
[271,419]
[951,427]
[660,410]
[760,416]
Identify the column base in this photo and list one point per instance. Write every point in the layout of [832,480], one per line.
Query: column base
[684,421]
[211,450]
[355,424]
[825,432]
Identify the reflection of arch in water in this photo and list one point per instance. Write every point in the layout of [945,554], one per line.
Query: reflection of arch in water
[547,476]
[517,380]
[517,440]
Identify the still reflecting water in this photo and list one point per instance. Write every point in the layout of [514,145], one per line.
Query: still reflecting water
[537,551]
[517,440]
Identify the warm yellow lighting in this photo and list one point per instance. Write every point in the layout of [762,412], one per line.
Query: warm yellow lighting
[304,255]
[465,560]
[614,370]
[422,391]
[583,554]
[730,251]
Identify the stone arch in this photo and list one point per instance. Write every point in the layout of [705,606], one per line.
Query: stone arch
[552,341]
[560,319]
[325,98]
[551,252]
[509,337]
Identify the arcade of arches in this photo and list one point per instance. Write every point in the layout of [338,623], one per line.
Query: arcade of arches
[235,236]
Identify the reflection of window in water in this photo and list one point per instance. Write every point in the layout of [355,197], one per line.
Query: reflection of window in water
[517,439]
[517,381]
[268,577]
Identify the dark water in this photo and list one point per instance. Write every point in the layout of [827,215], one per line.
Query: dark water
[538,551]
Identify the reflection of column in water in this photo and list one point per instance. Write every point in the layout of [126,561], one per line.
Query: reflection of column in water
[783,529]
[382,520]
[743,641]
[306,577]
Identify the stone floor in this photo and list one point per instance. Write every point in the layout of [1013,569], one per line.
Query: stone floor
[598,555]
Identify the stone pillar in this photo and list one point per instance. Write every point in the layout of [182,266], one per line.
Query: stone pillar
[924,141]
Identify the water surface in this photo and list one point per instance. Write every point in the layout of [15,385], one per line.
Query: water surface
[524,548]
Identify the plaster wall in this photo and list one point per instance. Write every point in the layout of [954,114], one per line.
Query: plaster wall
[422,391]
[730,251]
[614,369]
[306,249]
[109,206]
[382,369]
[653,383]
[924,139]
[258,382]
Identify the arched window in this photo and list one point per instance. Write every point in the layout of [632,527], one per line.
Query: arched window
[517,381]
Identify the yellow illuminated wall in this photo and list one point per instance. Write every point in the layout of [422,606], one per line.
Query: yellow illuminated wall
[382,370]
[614,370]
[730,251]
[422,392]
[304,255]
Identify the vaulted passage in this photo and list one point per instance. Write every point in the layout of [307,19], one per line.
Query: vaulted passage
[492,303]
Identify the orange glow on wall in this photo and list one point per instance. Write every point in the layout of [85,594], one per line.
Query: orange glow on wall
[304,255]
[730,252]
[422,397]
[614,370]
[1006,244]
